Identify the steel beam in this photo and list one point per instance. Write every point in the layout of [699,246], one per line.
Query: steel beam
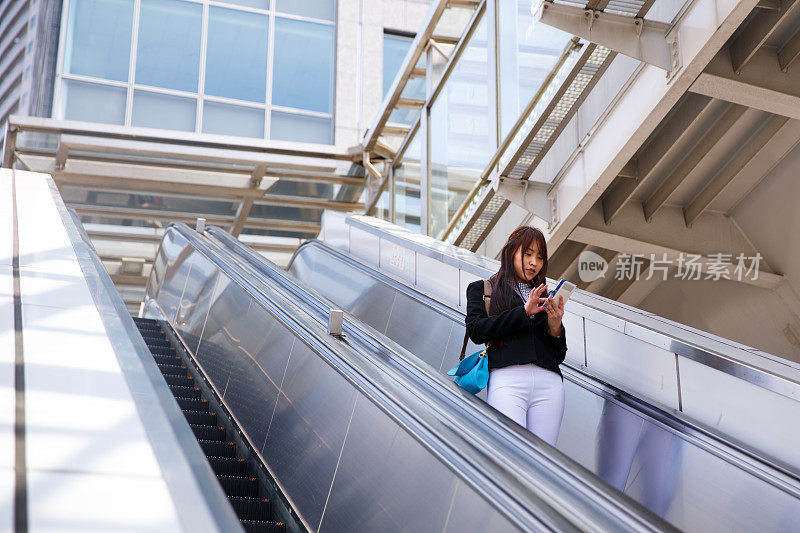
[693,111]
[699,152]
[789,52]
[192,153]
[760,84]
[156,215]
[646,40]
[206,141]
[738,162]
[758,31]
[532,195]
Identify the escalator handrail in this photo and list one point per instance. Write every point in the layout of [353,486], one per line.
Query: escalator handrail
[769,468]
[460,409]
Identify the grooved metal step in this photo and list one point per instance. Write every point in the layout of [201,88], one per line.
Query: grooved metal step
[243,489]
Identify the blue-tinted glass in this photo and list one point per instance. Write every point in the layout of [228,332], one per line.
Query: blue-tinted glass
[461,140]
[259,4]
[394,52]
[99,38]
[318,9]
[92,102]
[225,119]
[236,59]
[154,110]
[291,127]
[168,50]
[303,72]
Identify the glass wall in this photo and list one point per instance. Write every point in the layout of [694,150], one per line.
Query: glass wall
[239,67]
[527,54]
[461,140]
[407,207]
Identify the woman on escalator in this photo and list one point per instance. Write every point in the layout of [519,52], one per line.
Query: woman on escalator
[525,338]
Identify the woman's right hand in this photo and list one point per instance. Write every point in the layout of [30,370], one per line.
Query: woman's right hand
[535,302]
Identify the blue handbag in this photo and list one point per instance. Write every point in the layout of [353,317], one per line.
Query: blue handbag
[472,373]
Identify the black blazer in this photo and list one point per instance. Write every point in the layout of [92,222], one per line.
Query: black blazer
[527,339]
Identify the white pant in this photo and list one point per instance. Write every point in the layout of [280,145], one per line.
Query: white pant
[530,396]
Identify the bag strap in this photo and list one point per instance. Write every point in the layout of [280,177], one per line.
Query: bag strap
[487,296]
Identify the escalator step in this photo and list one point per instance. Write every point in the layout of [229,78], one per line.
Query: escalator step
[168,359]
[200,418]
[147,329]
[172,370]
[224,466]
[252,508]
[160,350]
[152,339]
[157,343]
[215,448]
[253,526]
[180,381]
[185,392]
[239,486]
[209,432]
[190,404]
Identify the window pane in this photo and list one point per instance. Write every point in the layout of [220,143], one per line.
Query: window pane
[291,127]
[236,59]
[226,119]
[168,50]
[99,38]
[461,144]
[154,110]
[92,102]
[318,9]
[258,4]
[303,72]
[407,205]
[394,52]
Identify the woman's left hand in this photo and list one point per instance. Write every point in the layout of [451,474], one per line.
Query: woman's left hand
[554,314]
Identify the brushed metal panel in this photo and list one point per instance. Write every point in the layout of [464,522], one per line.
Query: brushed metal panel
[439,279]
[398,260]
[408,488]
[740,409]
[470,513]
[576,353]
[365,246]
[308,430]
[634,364]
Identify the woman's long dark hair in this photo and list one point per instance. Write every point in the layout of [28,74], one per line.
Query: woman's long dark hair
[505,281]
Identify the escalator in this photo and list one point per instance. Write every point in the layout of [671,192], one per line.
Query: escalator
[233,464]
[355,438]
[688,474]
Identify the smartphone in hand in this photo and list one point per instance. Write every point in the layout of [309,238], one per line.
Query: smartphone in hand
[563,289]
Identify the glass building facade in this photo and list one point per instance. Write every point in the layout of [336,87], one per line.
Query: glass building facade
[249,68]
